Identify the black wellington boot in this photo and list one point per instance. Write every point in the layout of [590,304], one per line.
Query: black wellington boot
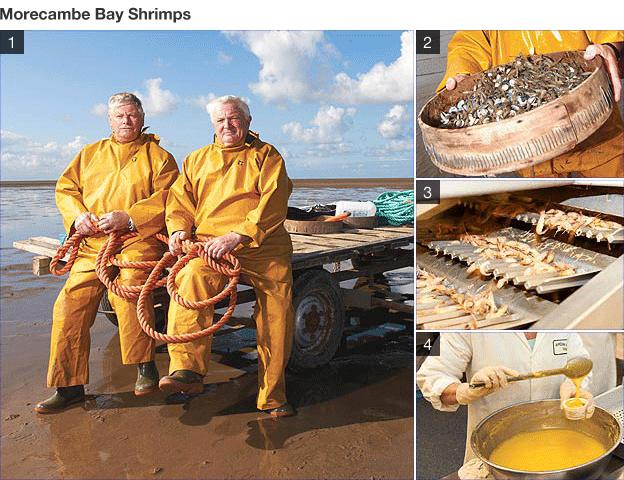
[62,399]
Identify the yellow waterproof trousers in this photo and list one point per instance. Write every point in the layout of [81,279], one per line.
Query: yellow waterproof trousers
[74,313]
[271,279]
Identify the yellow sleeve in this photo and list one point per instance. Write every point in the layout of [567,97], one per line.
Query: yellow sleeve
[181,203]
[468,52]
[605,36]
[275,188]
[148,214]
[68,193]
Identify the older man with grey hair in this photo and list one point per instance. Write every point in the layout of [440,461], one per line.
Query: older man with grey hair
[235,191]
[117,184]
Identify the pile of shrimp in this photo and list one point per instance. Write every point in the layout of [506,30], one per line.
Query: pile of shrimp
[572,222]
[516,253]
[479,305]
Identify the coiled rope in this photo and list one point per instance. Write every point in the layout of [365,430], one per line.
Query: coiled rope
[397,208]
[228,266]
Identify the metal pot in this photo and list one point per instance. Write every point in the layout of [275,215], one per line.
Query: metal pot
[544,414]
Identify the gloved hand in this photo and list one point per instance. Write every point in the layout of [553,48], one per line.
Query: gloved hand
[494,378]
[474,469]
[567,390]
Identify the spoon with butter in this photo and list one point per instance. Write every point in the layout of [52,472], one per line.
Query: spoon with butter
[575,368]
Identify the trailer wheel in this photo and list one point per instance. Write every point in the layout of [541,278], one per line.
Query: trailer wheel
[160,297]
[319,319]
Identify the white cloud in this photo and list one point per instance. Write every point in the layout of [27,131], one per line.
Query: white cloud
[294,67]
[24,158]
[157,101]
[223,58]
[203,100]
[329,126]
[291,63]
[382,83]
[99,110]
[396,123]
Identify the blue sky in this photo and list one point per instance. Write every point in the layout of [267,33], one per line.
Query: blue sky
[336,104]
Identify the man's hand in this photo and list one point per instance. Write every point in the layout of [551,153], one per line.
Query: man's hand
[175,242]
[452,82]
[114,221]
[611,64]
[85,224]
[219,246]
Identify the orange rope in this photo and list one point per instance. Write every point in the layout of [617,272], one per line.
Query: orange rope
[72,243]
[228,266]
[221,266]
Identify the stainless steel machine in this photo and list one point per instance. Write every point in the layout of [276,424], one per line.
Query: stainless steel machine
[568,268]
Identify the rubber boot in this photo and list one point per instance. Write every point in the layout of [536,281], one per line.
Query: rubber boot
[185,381]
[286,410]
[63,398]
[147,379]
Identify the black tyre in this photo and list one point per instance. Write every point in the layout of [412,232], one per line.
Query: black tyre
[319,319]
[161,302]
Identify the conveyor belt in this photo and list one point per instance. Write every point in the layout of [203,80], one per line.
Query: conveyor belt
[439,311]
[585,262]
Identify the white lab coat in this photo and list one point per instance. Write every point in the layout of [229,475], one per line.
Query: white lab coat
[470,352]
[601,348]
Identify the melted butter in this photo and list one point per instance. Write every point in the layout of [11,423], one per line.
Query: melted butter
[574,403]
[577,382]
[545,450]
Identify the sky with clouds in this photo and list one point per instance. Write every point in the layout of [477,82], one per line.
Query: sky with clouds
[336,104]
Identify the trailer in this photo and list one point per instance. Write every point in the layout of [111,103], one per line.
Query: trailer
[319,265]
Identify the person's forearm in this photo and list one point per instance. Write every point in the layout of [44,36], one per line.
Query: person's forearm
[448,396]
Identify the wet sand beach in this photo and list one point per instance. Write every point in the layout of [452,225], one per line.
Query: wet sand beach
[355,414]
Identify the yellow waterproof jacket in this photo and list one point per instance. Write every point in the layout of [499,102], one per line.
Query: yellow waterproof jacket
[105,176]
[242,189]
[477,50]
[473,51]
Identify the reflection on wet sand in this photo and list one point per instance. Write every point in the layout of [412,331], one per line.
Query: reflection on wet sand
[355,414]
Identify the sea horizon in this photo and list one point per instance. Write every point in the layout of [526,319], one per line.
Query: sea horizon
[396,182]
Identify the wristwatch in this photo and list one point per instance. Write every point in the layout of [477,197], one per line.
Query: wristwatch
[131,225]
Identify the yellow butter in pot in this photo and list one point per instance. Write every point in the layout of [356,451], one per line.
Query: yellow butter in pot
[545,450]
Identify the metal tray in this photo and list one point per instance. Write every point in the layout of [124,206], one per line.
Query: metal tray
[586,262]
[523,307]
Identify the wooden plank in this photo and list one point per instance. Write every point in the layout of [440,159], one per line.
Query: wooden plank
[328,241]
[41,265]
[304,248]
[376,233]
[312,259]
[408,229]
[34,247]
[52,242]
[355,237]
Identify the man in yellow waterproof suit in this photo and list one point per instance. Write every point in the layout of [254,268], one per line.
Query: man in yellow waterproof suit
[236,191]
[117,184]
[600,155]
